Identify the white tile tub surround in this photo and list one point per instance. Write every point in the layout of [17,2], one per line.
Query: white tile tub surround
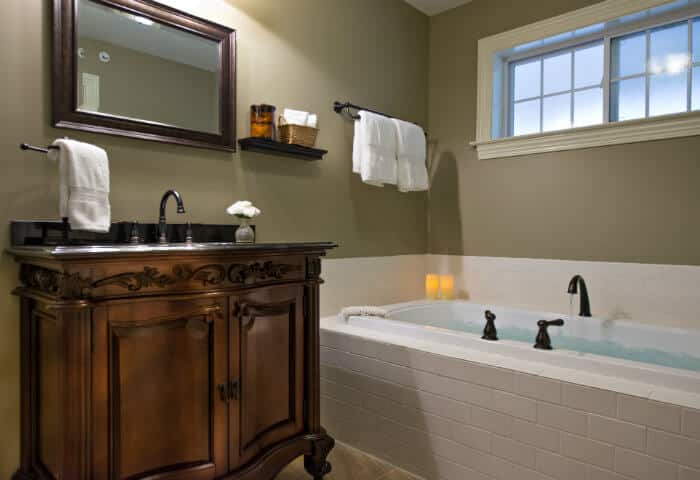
[653,294]
[446,418]
[371,281]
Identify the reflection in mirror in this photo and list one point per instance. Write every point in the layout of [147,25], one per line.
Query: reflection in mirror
[131,66]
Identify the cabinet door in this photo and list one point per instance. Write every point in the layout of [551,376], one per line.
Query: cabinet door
[157,409]
[268,331]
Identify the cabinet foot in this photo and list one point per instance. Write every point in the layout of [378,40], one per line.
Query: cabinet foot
[317,464]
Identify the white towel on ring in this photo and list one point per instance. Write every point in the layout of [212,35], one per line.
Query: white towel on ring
[83,185]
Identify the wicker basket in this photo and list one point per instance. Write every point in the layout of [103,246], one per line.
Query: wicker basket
[297,134]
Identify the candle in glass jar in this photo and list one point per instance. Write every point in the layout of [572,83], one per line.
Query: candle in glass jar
[447,287]
[432,286]
[262,121]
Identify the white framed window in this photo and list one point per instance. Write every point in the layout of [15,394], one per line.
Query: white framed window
[556,91]
[606,74]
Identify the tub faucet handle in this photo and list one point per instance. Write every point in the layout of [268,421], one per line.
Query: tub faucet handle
[543,341]
[490,332]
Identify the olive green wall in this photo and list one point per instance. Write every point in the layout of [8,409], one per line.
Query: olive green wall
[300,53]
[627,203]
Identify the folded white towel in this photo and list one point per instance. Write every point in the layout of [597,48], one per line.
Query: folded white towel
[366,311]
[411,155]
[357,148]
[83,185]
[376,149]
[295,117]
[312,121]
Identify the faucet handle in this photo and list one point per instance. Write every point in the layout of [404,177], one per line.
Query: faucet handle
[188,233]
[135,235]
[490,332]
[543,340]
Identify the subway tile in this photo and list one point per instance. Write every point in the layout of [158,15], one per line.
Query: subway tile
[408,415]
[523,473]
[617,432]
[491,421]
[514,451]
[454,389]
[562,418]
[559,467]
[471,437]
[536,435]
[690,423]
[539,388]
[514,405]
[643,467]
[586,450]
[672,447]
[595,473]
[688,474]
[594,400]
[493,377]
[648,412]
[341,392]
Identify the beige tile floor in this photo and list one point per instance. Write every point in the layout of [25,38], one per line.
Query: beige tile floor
[349,464]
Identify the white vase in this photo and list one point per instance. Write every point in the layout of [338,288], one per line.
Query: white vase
[244,232]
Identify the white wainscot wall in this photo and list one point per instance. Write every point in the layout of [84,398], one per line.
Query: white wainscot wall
[653,294]
[371,281]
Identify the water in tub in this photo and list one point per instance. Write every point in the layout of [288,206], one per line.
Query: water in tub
[623,339]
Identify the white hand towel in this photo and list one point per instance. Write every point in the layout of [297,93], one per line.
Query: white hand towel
[411,154]
[312,121]
[295,117]
[83,185]
[377,149]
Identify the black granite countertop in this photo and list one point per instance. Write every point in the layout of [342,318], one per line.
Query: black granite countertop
[37,239]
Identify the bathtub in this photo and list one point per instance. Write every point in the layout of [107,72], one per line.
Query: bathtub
[423,376]
[662,356]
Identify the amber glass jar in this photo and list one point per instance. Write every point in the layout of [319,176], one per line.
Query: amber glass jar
[262,121]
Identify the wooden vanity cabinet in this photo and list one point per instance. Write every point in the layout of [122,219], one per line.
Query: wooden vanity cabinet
[182,367]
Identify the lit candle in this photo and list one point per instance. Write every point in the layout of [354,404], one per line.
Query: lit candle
[432,286]
[447,287]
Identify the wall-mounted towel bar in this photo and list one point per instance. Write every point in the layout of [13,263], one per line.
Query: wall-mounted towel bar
[347,107]
[26,146]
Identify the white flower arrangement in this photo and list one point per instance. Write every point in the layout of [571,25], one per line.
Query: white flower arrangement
[243,209]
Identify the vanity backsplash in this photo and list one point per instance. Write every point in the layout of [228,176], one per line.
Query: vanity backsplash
[24,233]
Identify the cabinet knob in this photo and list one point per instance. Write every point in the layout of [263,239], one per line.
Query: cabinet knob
[229,391]
[223,391]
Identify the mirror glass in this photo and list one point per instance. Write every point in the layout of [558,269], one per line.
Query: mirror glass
[131,66]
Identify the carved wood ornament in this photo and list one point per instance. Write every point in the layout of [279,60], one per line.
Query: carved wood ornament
[74,286]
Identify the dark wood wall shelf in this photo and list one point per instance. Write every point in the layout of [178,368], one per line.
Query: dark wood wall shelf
[263,145]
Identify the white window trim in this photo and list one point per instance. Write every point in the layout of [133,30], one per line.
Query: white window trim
[614,133]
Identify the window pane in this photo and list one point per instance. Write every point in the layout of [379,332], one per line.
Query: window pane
[588,107]
[628,55]
[668,93]
[695,104]
[627,99]
[696,40]
[526,80]
[557,73]
[556,112]
[668,49]
[589,63]
[526,117]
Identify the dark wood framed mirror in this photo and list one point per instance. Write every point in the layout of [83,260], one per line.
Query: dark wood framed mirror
[136,68]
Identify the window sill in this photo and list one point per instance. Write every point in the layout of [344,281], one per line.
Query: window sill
[632,131]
